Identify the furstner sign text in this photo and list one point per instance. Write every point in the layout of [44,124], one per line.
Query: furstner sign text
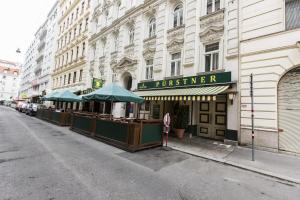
[191,81]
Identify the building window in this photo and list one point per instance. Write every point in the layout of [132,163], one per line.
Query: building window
[71,55]
[83,49]
[106,18]
[70,36]
[65,76]
[292,14]
[116,41]
[149,69]
[178,16]
[103,48]
[175,64]
[74,33]
[74,77]
[80,75]
[131,35]
[212,57]
[213,6]
[77,12]
[152,27]
[118,6]
[69,78]
[77,52]
[82,7]
[80,27]
[72,16]
[60,81]
[86,23]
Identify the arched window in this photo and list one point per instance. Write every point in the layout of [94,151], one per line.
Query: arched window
[178,16]
[152,27]
[131,35]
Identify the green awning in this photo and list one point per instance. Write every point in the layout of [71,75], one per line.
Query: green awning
[197,91]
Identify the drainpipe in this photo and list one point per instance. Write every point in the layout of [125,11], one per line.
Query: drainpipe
[239,72]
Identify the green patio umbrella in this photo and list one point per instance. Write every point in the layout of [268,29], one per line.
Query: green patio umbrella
[113,93]
[65,96]
[49,96]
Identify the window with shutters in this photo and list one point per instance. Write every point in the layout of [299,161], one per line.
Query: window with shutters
[292,14]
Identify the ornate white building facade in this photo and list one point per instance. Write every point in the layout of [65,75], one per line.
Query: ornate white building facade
[9,80]
[143,41]
[39,59]
[270,50]
[71,70]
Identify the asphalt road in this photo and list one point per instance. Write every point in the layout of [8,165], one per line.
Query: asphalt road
[40,161]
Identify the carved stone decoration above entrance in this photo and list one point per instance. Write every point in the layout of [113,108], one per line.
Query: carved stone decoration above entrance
[175,39]
[126,65]
[212,27]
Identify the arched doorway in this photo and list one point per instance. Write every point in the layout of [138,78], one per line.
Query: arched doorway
[289,111]
[127,83]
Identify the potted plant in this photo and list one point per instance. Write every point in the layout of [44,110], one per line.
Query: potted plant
[181,121]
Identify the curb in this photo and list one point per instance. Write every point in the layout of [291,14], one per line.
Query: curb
[233,164]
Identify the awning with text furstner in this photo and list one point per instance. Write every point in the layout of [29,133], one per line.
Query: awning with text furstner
[197,93]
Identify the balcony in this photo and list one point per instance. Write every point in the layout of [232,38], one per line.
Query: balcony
[212,26]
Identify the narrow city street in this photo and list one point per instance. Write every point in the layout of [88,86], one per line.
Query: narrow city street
[41,161]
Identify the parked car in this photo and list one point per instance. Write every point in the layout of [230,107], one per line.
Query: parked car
[19,106]
[33,107]
[24,107]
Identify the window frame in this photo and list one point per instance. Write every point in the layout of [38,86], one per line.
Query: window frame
[178,16]
[149,69]
[177,64]
[152,27]
[212,53]
[213,6]
[131,35]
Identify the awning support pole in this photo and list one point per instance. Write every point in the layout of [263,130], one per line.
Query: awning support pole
[111,109]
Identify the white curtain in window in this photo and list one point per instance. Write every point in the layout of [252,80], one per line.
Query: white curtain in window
[292,14]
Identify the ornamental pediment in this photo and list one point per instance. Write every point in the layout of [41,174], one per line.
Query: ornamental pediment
[175,45]
[126,62]
[211,34]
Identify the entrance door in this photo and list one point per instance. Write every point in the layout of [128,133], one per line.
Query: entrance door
[212,118]
[289,111]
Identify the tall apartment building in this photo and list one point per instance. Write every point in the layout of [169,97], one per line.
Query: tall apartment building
[270,50]
[9,80]
[71,69]
[40,59]
[173,53]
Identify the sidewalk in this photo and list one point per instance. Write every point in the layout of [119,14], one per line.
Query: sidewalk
[278,165]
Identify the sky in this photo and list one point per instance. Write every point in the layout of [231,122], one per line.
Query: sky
[19,21]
